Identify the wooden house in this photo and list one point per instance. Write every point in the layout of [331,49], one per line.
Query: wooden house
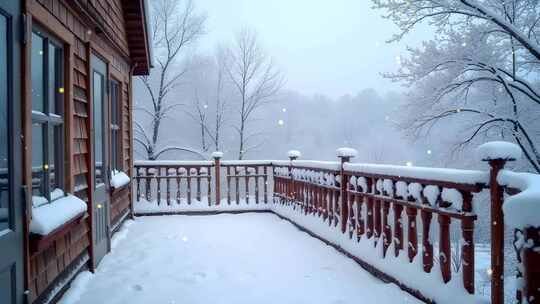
[66,77]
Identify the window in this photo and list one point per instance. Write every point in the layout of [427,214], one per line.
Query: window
[47,115]
[4,126]
[116,160]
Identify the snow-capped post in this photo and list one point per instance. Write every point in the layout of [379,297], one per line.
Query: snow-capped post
[497,153]
[217,164]
[293,155]
[345,155]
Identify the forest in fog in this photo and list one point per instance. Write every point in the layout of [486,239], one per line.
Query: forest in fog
[463,85]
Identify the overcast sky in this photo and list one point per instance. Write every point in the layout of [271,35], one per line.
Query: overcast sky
[323,47]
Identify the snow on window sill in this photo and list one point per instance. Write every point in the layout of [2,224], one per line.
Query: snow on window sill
[119,179]
[49,218]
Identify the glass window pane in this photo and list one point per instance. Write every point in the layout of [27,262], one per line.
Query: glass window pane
[4,123]
[38,165]
[56,157]
[98,124]
[37,73]
[52,87]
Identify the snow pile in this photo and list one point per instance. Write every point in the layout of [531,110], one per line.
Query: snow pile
[119,179]
[145,207]
[48,217]
[436,174]
[38,201]
[294,154]
[523,209]
[454,197]
[217,154]
[432,194]
[346,152]
[241,259]
[499,150]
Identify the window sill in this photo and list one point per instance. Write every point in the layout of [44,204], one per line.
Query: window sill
[40,242]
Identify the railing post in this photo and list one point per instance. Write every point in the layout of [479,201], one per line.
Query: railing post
[217,166]
[345,155]
[293,155]
[497,232]
[529,257]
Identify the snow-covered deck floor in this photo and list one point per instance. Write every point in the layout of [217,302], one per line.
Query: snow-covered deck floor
[244,258]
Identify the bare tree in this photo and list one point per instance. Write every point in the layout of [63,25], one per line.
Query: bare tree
[256,81]
[175,26]
[209,102]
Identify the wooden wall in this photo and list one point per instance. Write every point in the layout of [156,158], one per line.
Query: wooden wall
[68,22]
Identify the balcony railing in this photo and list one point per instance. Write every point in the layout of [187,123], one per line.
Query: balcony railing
[395,221]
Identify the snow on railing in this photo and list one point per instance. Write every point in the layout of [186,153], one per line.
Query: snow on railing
[395,221]
[182,186]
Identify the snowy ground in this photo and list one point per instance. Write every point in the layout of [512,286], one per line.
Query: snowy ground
[245,258]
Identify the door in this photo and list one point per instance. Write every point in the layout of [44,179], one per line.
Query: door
[101,168]
[11,204]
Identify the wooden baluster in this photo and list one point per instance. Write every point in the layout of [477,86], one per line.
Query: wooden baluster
[377,215]
[256,185]
[237,184]
[427,247]
[188,186]
[325,203]
[265,186]
[318,197]
[412,236]
[198,179]
[445,257]
[398,229]
[352,214]
[336,208]
[178,187]
[330,206]
[147,184]
[168,184]
[209,187]
[138,170]
[369,208]
[158,179]
[387,230]
[467,248]
[246,183]
[228,185]
[360,226]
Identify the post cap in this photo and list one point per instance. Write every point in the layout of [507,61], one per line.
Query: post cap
[499,150]
[294,154]
[346,152]
[217,154]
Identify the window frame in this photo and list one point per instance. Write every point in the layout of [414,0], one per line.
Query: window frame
[52,122]
[115,125]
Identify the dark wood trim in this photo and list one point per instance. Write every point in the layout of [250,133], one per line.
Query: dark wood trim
[72,270]
[42,242]
[90,158]
[49,22]
[26,109]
